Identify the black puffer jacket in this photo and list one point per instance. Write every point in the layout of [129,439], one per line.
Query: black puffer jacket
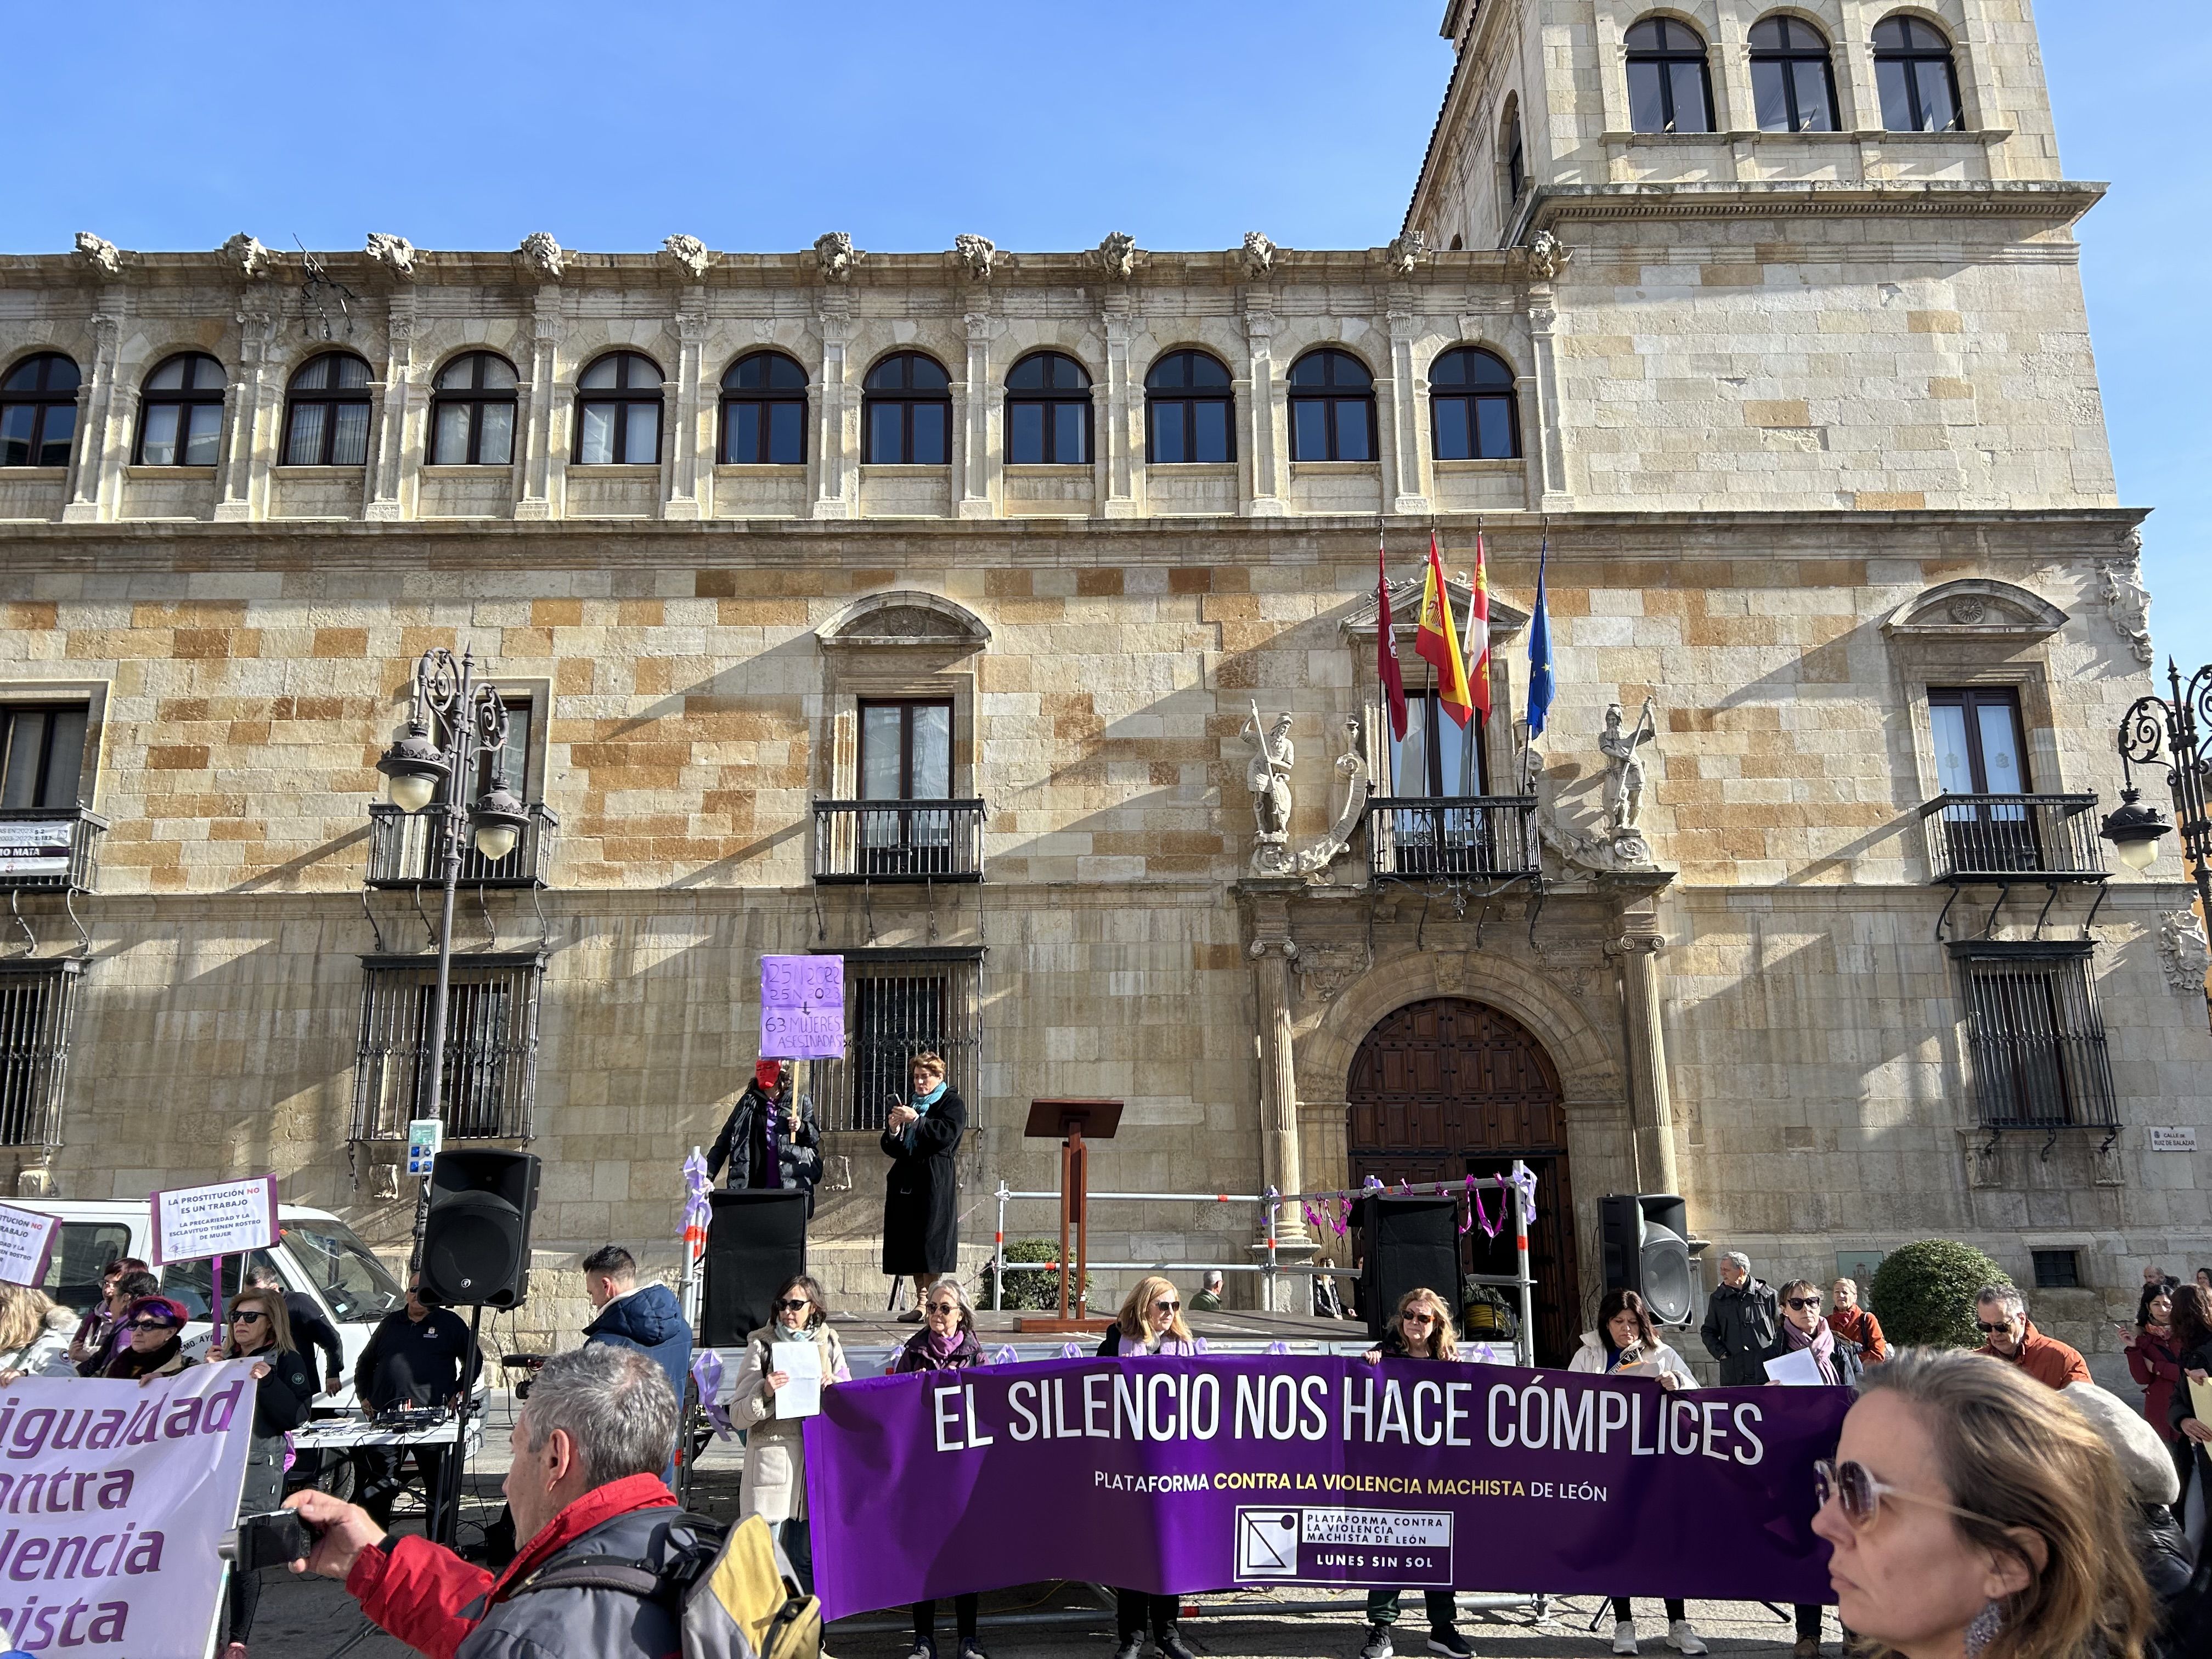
[797,1151]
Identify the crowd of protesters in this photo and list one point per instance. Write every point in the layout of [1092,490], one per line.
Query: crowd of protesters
[1995,1503]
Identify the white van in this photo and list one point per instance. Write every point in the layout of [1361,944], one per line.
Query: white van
[316,1255]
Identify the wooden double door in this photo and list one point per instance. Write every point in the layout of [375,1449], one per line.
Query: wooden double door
[1447,1088]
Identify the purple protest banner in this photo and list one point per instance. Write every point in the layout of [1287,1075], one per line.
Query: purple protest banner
[1181,1475]
[802,1008]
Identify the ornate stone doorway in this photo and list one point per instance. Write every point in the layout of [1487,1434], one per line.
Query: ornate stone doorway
[1446,1088]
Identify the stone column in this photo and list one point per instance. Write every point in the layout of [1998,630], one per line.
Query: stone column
[1547,467]
[972,408]
[681,472]
[1267,465]
[1401,478]
[1650,1105]
[540,406]
[833,459]
[383,499]
[1115,491]
[98,456]
[1272,952]
[241,466]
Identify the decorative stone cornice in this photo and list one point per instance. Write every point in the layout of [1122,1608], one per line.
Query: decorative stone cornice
[1976,607]
[2061,201]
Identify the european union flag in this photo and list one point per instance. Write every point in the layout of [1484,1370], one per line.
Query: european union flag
[1540,652]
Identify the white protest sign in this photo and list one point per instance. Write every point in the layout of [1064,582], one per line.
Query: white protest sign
[26,1245]
[220,1219]
[115,1498]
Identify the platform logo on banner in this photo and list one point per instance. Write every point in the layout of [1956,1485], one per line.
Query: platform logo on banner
[1404,1546]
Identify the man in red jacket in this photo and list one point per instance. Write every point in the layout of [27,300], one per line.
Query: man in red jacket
[588,1448]
[2002,1313]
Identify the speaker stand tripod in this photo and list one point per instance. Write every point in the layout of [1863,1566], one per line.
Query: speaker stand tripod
[445,1516]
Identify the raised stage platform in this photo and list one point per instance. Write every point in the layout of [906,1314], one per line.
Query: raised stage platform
[872,1339]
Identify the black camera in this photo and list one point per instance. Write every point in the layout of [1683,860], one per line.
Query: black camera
[268,1540]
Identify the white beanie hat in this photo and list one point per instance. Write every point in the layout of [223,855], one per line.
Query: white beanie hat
[2146,1465]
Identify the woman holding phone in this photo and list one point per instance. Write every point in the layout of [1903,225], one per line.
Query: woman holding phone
[921,1197]
[1626,1344]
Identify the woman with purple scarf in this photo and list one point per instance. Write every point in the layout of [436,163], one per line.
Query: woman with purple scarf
[1150,1323]
[947,1342]
[1802,1328]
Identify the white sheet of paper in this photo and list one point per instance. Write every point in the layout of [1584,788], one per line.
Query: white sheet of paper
[1797,1370]
[802,1363]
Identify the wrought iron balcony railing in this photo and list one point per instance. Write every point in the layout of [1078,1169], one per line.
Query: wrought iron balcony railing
[403,851]
[898,841]
[2012,837]
[53,849]
[1452,838]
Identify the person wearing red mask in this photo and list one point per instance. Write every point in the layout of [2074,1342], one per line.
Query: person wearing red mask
[767,1140]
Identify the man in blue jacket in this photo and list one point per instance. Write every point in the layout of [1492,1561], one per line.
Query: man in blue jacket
[647,1317]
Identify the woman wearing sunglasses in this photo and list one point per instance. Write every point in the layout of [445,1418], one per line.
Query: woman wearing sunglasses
[1151,1323]
[947,1342]
[153,1340]
[1802,1329]
[773,1485]
[1626,1344]
[1421,1328]
[259,1329]
[1971,1511]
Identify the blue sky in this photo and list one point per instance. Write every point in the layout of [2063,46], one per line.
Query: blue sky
[759,127]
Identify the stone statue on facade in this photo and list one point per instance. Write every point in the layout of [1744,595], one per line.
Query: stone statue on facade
[1624,779]
[395,253]
[977,255]
[833,254]
[689,252]
[2183,951]
[1268,777]
[543,254]
[2128,601]
[1407,251]
[1547,256]
[1259,256]
[249,254]
[1117,255]
[102,254]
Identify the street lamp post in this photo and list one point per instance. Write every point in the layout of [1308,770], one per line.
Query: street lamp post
[472,723]
[2175,733]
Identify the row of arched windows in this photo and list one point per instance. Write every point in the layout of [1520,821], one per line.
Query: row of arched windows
[1793,79]
[905,410]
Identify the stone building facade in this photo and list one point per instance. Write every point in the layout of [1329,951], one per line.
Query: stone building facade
[1802,427]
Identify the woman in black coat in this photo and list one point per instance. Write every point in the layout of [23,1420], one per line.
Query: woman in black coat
[260,1329]
[921,1197]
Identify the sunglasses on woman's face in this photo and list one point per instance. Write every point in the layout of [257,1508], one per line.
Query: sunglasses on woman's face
[1418,1316]
[1861,1494]
[793,1304]
[248,1316]
[151,1324]
[1167,1307]
[1804,1300]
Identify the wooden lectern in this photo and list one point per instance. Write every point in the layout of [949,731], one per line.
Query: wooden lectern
[1072,1123]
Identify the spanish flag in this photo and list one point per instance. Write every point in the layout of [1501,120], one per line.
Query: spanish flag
[1478,632]
[1438,643]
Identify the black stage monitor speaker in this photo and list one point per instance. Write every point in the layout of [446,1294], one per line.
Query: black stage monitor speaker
[475,1243]
[1647,1250]
[756,1241]
[1412,1243]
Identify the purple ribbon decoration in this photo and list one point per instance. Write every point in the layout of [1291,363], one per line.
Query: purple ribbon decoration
[1005,1356]
[707,1372]
[696,1187]
[1072,1350]
[1525,1179]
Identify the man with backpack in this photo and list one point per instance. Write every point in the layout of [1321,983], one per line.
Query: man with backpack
[586,1489]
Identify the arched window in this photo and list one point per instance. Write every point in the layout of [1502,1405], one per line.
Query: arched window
[1919,81]
[1472,409]
[764,412]
[1516,155]
[1049,411]
[907,404]
[1332,408]
[472,411]
[1668,88]
[38,412]
[326,412]
[180,412]
[618,412]
[1793,86]
[1190,411]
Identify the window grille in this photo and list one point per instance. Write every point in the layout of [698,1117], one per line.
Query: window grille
[37,999]
[2035,1039]
[2056,1270]
[491,1045]
[898,1003]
